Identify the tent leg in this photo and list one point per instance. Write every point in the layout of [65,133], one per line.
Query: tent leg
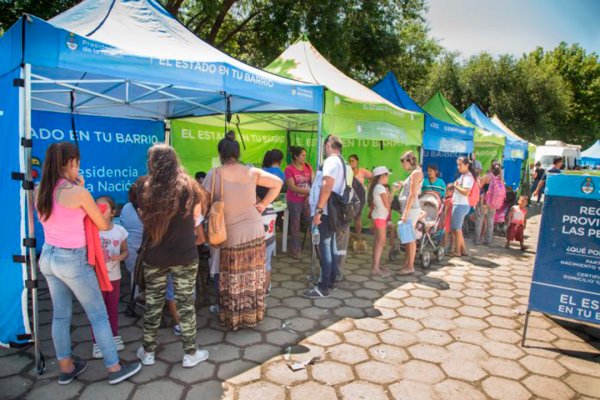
[167,127]
[319,155]
[525,328]
[31,249]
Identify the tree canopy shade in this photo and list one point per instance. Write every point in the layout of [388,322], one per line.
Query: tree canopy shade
[352,110]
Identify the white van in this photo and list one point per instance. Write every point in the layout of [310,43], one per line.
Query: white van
[570,153]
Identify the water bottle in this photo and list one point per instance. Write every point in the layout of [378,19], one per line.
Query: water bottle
[316,236]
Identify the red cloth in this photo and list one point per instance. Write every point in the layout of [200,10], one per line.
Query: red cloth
[95,254]
[448,216]
[515,232]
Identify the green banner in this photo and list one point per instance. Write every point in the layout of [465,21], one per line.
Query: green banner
[196,145]
[485,153]
[350,119]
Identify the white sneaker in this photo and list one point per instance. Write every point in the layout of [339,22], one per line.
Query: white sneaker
[191,360]
[119,343]
[177,330]
[147,358]
[96,353]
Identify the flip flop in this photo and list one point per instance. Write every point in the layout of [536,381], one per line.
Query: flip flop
[382,274]
[405,272]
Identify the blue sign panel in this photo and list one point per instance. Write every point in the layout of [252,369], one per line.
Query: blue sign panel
[566,276]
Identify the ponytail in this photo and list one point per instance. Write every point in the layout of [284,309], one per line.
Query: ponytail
[57,157]
[272,157]
[467,161]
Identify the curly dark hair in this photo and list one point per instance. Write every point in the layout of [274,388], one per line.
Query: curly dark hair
[167,190]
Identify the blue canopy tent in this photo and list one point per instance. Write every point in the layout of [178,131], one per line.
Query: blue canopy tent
[442,142]
[591,157]
[515,151]
[119,58]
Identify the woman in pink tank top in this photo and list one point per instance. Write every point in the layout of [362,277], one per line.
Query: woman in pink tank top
[62,204]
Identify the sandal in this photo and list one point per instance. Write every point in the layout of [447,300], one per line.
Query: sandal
[405,272]
[382,274]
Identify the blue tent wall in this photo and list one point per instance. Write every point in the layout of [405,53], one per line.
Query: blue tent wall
[14,320]
[442,142]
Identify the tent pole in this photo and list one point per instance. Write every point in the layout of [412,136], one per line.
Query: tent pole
[39,362]
[167,127]
[319,155]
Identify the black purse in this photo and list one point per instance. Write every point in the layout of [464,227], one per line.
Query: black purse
[138,271]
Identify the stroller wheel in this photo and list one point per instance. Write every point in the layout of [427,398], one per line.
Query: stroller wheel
[426,259]
[439,254]
[393,254]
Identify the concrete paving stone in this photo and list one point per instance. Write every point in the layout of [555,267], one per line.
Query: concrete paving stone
[371,325]
[475,302]
[384,313]
[361,338]
[325,338]
[442,312]
[501,322]
[95,372]
[313,390]
[418,302]
[243,337]
[475,312]
[297,302]
[379,372]
[250,375]
[282,338]
[205,390]
[543,366]
[388,354]
[504,350]
[429,352]
[572,345]
[132,334]
[504,389]
[294,286]
[203,371]
[422,371]
[301,324]
[442,324]
[406,324]
[332,372]
[315,313]
[548,388]
[151,373]
[341,326]
[233,368]
[330,303]
[413,313]
[434,337]
[260,353]
[209,336]
[282,312]
[502,335]
[502,301]
[544,335]
[18,363]
[448,302]
[502,367]
[501,311]
[51,390]
[261,391]
[347,353]
[98,391]
[281,374]
[451,389]
[360,390]
[269,324]
[463,369]
[410,390]
[376,285]
[398,294]
[466,351]
[170,353]
[470,323]
[581,366]
[502,293]
[398,338]
[368,294]
[357,278]
[425,293]
[358,303]
[387,302]
[14,387]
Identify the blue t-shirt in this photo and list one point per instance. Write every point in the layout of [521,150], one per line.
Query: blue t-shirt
[275,171]
[438,186]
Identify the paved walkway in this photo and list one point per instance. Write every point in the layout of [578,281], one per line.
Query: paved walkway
[451,332]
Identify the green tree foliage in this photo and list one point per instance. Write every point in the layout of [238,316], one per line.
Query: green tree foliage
[12,10]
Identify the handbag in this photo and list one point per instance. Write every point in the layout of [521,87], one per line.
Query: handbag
[138,270]
[217,233]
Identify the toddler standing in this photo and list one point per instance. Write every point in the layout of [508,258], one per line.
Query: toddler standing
[114,246]
[517,222]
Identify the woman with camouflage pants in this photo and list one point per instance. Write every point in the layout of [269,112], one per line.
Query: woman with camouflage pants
[170,204]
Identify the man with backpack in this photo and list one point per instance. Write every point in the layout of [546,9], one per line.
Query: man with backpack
[490,202]
[329,196]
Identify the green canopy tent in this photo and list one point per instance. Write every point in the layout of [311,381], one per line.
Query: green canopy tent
[369,125]
[488,146]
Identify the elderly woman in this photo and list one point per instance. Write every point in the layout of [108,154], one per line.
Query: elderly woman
[409,198]
[242,256]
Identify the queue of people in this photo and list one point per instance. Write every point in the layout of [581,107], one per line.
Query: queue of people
[163,230]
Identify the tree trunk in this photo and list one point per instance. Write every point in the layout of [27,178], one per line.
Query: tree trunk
[227,4]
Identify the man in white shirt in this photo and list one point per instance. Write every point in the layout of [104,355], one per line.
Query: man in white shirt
[333,180]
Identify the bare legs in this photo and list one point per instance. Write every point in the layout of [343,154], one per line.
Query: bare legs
[380,238]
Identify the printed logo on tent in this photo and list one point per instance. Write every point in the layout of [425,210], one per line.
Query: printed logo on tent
[587,186]
[72,43]
[294,91]
[36,172]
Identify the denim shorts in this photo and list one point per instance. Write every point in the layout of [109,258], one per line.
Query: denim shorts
[269,256]
[459,212]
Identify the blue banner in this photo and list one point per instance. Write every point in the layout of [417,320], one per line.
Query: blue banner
[113,150]
[445,161]
[566,275]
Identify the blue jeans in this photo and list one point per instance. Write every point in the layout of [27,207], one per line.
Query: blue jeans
[68,273]
[329,255]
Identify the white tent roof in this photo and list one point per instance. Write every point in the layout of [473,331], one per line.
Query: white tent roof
[593,151]
[311,67]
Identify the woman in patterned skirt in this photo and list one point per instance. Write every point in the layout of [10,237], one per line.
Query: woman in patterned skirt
[242,266]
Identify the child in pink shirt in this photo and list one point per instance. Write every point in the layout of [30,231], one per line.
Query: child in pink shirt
[517,221]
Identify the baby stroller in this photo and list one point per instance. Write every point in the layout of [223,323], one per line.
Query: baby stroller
[430,230]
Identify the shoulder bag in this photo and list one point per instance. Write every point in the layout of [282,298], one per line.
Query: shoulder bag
[217,233]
